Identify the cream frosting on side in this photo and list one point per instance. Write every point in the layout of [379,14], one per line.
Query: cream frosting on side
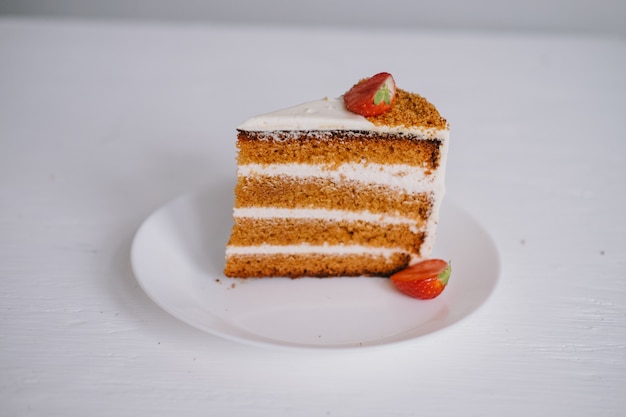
[327,114]
[433,220]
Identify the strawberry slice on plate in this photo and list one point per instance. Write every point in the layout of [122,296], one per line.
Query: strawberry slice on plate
[424,280]
[371,96]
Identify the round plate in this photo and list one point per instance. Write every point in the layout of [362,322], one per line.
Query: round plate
[178,257]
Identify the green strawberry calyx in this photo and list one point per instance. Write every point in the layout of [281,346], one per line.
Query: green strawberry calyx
[383,94]
[445,275]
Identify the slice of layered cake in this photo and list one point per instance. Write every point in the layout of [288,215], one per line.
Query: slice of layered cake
[339,187]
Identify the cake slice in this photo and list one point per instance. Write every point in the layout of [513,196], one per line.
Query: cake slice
[322,191]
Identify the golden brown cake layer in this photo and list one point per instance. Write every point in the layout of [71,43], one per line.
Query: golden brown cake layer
[289,231]
[345,147]
[288,192]
[313,265]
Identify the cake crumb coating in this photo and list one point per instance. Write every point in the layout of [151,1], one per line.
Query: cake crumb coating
[410,110]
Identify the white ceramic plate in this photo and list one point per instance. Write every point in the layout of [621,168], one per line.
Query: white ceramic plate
[178,257]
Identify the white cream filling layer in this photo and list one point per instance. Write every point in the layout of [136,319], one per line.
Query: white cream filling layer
[323,214]
[311,249]
[327,114]
[405,177]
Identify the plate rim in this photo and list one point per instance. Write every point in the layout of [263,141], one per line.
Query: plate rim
[268,342]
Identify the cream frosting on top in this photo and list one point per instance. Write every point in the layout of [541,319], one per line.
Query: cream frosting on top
[326,114]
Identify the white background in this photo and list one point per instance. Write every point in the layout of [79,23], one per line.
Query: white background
[587,16]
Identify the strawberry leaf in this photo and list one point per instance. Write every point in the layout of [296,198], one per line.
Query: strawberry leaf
[383,93]
[445,275]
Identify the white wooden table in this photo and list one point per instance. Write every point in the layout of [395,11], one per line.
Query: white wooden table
[102,123]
